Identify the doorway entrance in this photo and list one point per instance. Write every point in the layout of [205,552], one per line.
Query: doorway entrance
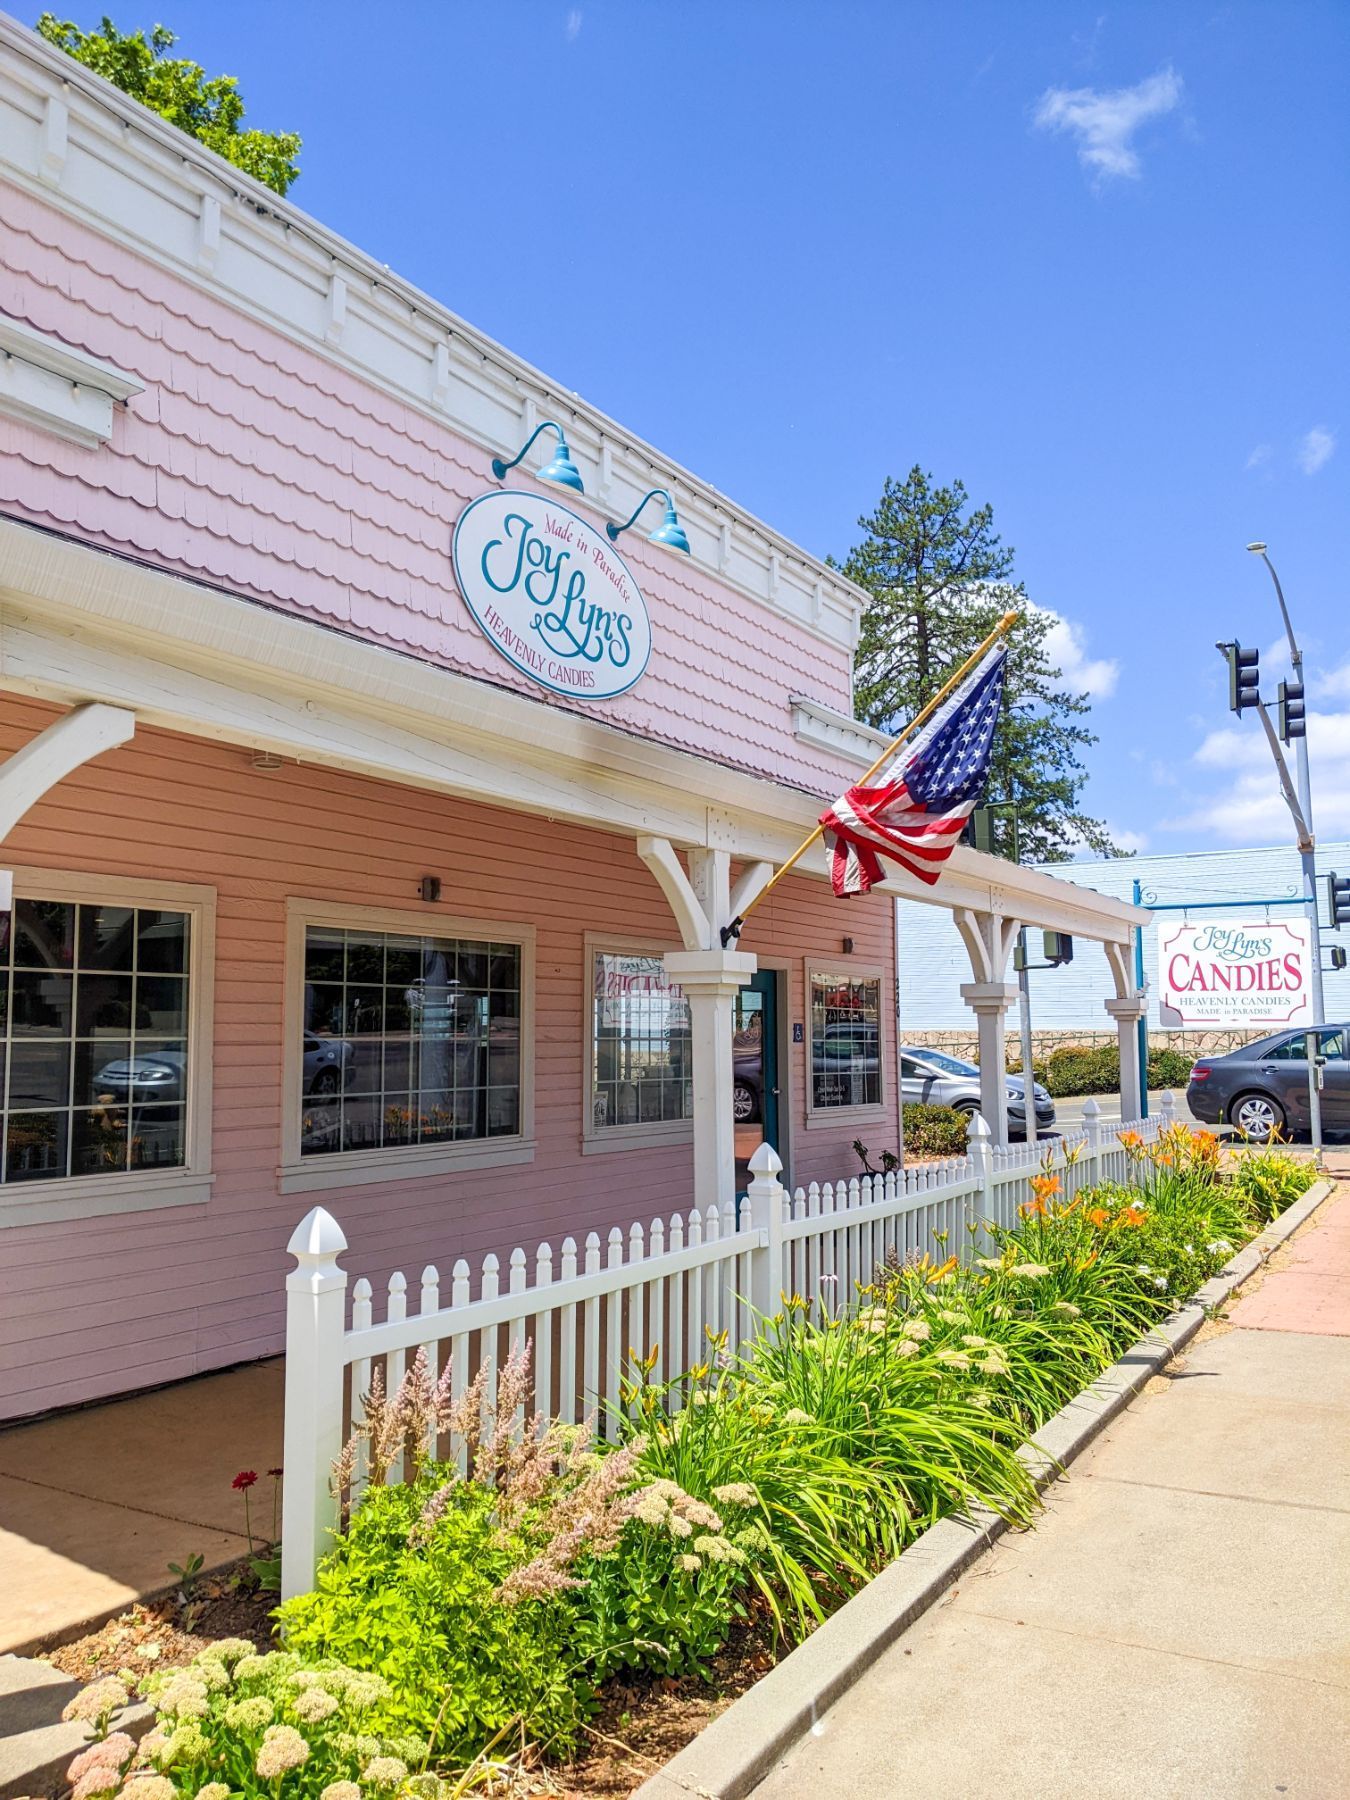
[755,1092]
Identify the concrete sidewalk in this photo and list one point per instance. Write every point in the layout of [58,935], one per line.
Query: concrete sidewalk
[1179,1623]
[95,1505]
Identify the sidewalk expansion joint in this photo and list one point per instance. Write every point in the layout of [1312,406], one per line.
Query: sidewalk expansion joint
[1192,1656]
[149,1512]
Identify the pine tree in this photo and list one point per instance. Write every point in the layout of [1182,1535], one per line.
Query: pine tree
[939,578]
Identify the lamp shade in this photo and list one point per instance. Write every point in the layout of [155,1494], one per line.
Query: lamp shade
[562,469]
[670,532]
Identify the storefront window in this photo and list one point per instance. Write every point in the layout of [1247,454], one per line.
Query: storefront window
[407,1040]
[642,1070]
[95,1039]
[845,1040]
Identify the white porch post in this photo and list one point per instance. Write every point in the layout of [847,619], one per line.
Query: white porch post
[1127,1008]
[711,980]
[988,938]
[1127,1012]
[989,1001]
[702,902]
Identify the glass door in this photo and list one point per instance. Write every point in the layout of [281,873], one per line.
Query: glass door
[754,1054]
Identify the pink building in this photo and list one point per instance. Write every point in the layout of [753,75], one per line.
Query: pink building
[373,816]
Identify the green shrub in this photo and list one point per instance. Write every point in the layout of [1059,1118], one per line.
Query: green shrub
[1271,1179]
[934,1131]
[495,1600]
[849,1450]
[424,1613]
[1168,1068]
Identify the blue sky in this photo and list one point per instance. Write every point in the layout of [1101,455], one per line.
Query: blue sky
[1092,262]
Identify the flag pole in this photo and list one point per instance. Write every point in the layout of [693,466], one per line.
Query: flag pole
[1004,626]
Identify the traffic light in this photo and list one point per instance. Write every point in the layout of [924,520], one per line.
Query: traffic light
[1338,956]
[1058,948]
[1244,676]
[1292,722]
[1338,898]
[979,830]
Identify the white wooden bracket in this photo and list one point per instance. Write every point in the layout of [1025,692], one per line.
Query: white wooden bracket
[49,757]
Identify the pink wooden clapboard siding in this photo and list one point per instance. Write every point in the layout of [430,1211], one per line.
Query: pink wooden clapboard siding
[117,1303]
[260,466]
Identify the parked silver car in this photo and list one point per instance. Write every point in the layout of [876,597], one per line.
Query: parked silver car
[1262,1089]
[932,1078]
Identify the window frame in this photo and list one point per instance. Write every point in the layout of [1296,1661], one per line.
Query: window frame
[300,1174]
[818,1117]
[77,1197]
[604,1140]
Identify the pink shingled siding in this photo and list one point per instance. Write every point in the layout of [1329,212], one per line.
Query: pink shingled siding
[262,467]
[117,1303]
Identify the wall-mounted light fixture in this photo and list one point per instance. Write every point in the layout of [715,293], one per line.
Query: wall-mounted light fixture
[266,760]
[848,946]
[430,887]
[562,469]
[669,532]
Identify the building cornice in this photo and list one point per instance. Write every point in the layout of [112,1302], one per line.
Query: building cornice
[825,729]
[72,139]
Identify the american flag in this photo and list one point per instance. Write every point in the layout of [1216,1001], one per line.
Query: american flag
[916,807]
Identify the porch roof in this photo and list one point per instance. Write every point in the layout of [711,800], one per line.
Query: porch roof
[82,624]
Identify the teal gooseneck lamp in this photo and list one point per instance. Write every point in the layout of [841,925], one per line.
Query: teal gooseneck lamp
[562,469]
[669,532]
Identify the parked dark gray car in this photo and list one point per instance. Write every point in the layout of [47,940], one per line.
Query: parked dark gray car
[1262,1089]
[932,1078]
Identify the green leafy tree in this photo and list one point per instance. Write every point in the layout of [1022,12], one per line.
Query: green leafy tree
[210,110]
[939,578]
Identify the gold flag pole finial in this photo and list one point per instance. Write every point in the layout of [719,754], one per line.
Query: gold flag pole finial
[733,931]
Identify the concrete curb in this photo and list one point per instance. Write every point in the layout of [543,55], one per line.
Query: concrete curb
[733,1754]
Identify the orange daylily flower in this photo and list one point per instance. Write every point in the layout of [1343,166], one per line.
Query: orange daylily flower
[946,1269]
[1098,1216]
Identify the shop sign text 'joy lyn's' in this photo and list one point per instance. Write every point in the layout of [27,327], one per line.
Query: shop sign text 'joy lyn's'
[551,594]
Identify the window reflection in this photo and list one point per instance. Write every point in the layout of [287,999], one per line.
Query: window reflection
[407,1040]
[845,1041]
[641,1061]
[94,1058]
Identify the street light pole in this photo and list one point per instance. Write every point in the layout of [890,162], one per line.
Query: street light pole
[1308,859]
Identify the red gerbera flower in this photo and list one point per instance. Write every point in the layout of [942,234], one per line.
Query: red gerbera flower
[244,1479]
[275,1474]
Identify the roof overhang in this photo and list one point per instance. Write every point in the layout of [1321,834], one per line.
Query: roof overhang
[79,623]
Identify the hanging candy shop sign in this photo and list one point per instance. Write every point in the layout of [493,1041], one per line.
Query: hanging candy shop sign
[1236,974]
[551,595]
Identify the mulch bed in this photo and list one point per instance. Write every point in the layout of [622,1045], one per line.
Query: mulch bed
[642,1723]
[163,1634]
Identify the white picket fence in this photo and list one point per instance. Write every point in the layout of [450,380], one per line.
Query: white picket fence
[671,1289]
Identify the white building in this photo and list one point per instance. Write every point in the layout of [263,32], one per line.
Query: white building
[1071,999]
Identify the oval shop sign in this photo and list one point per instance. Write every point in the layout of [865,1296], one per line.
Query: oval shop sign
[551,594]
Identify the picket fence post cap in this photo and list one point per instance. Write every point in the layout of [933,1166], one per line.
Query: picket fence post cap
[1168,1101]
[978,1126]
[1091,1109]
[765,1160]
[317,1238]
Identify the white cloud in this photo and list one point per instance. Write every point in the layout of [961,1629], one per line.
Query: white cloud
[1104,121]
[1316,448]
[1259,457]
[1332,684]
[572,28]
[1249,807]
[1065,645]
